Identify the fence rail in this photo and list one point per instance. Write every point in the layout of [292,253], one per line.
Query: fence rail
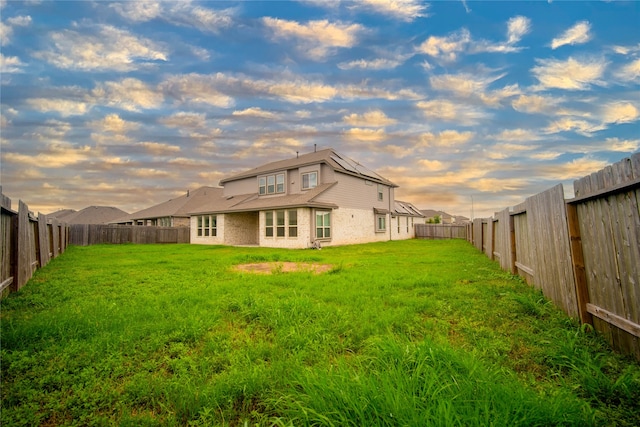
[93,234]
[583,253]
[28,243]
[440,231]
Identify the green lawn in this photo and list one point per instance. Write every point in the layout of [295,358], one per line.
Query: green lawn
[412,333]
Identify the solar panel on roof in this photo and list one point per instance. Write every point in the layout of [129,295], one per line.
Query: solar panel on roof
[350,166]
[345,164]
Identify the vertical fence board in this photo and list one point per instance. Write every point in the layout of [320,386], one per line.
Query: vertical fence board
[43,240]
[552,250]
[489,239]
[505,243]
[56,237]
[8,245]
[26,254]
[524,259]
[477,233]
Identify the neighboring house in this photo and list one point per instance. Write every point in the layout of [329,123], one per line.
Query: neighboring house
[316,199]
[88,215]
[431,214]
[173,212]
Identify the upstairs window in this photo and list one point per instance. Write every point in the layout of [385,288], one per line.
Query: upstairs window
[309,180]
[271,184]
[262,185]
[380,192]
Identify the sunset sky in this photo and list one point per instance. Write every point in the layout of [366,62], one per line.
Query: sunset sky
[134,103]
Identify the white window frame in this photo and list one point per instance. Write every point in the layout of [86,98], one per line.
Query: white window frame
[281,224]
[207,225]
[262,185]
[380,192]
[312,180]
[292,223]
[381,223]
[281,230]
[271,184]
[325,229]
[268,224]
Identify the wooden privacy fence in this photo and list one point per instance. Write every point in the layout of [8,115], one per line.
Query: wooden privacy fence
[93,234]
[583,253]
[440,231]
[28,243]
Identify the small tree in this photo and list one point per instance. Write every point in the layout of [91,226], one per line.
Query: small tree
[437,219]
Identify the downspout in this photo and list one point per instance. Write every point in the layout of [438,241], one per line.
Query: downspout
[389,227]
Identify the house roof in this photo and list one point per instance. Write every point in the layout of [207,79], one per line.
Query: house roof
[430,213]
[89,215]
[251,202]
[338,162]
[178,207]
[406,208]
[61,213]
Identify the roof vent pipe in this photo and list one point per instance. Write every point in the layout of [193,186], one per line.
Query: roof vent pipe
[297,154]
[314,147]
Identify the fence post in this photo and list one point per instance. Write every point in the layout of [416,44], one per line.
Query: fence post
[577,259]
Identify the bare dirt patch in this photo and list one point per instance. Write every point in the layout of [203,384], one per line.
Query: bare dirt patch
[283,267]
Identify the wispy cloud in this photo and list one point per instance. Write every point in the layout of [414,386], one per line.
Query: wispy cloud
[443,109]
[571,74]
[629,72]
[620,112]
[182,13]
[404,10]
[100,47]
[517,27]
[184,120]
[362,134]
[577,34]
[255,112]
[373,118]
[10,64]
[64,107]
[114,123]
[446,139]
[371,64]
[128,94]
[7,27]
[536,104]
[446,48]
[315,39]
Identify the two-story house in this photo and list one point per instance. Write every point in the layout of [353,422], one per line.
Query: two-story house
[317,199]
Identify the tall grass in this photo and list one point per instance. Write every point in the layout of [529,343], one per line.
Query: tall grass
[396,333]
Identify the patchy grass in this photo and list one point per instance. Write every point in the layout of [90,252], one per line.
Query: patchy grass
[395,333]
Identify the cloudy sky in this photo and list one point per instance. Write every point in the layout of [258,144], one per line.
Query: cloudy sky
[130,104]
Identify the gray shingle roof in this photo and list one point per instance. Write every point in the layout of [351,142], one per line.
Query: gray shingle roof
[178,207]
[338,162]
[90,215]
[251,202]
